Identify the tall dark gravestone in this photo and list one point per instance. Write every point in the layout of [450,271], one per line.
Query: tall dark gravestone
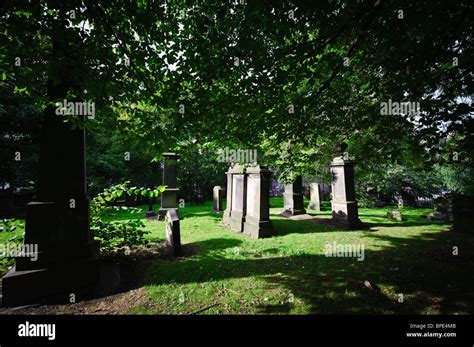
[169,198]
[257,220]
[344,205]
[239,198]
[57,220]
[293,198]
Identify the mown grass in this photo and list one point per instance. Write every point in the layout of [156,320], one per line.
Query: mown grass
[228,273]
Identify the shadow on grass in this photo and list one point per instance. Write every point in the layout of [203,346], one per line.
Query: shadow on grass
[204,247]
[322,223]
[285,226]
[422,268]
[408,221]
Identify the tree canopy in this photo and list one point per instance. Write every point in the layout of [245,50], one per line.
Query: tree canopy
[289,78]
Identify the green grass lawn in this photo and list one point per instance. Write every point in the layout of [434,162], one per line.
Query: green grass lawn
[228,273]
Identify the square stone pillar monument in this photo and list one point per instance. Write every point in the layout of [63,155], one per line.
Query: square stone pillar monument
[344,205]
[257,221]
[169,198]
[293,198]
[57,225]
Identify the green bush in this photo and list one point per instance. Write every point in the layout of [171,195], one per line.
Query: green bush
[115,235]
[366,199]
[16,228]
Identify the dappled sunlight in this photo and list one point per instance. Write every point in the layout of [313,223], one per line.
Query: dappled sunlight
[289,273]
[227,272]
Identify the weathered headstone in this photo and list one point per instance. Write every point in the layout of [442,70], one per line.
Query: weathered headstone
[463,213]
[257,220]
[395,215]
[150,213]
[239,198]
[173,233]
[442,209]
[441,204]
[315,196]
[407,197]
[217,195]
[169,198]
[344,205]
[293,198]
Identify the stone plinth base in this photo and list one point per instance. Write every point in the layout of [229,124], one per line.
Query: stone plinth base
[314,207]
[293,204]
[226,217]
[256,228]
[237,220]
[345,214]
[61,279]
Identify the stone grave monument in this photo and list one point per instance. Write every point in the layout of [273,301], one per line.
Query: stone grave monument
[63,257]
[257,219]
[169,198]
[293,198]
[173,234]
[217,195]
[238,203]
[57,223]
[344,205]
